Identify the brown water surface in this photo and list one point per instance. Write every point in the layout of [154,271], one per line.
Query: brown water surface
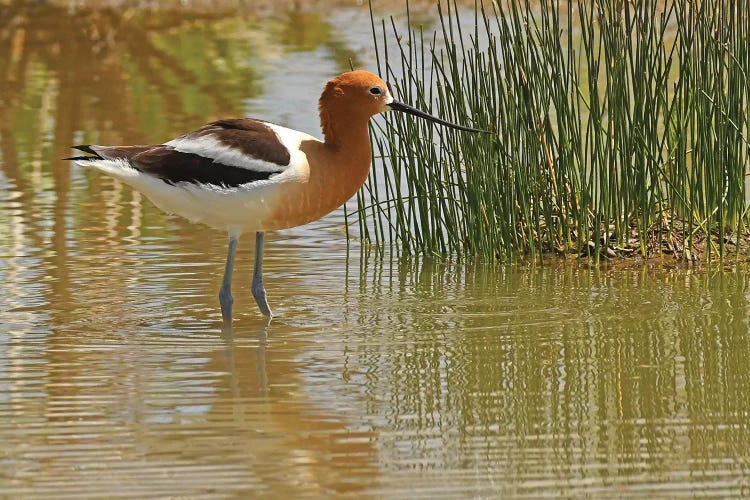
[379,378]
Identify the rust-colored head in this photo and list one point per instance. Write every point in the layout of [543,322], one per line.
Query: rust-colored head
[359,92]
[351,99]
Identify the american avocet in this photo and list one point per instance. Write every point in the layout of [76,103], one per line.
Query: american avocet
[247,175]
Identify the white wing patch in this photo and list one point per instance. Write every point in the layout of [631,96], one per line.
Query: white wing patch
[291,139]
[208,146]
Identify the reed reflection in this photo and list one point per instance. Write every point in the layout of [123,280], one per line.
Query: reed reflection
[579,365]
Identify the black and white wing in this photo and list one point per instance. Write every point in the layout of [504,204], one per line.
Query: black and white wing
[225,153]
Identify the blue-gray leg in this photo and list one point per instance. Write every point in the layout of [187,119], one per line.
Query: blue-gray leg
[225,294]
[258,291]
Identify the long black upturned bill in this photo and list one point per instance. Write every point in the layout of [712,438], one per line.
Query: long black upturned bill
[405,108]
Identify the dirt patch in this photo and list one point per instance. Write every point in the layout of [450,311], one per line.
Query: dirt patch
[666,244]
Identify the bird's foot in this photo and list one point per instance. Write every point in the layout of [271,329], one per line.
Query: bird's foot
[259,293]
[226,300]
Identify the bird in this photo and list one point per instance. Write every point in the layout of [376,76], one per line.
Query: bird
[245,175]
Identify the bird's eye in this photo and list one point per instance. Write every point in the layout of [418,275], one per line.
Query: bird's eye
[376,91]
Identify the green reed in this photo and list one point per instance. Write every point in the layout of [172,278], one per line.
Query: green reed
[614,124]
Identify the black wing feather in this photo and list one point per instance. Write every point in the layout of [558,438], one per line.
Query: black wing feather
[173,166]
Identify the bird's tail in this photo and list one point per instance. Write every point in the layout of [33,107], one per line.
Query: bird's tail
[86,148]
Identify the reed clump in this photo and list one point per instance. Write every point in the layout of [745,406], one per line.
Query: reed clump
[618,128]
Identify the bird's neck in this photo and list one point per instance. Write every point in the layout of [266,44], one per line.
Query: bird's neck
[344,131]
[341,164]
[336,169]
[348,150]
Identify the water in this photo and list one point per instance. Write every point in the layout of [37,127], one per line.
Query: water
[379,378]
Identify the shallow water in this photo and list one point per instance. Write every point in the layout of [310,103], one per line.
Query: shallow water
[379,378]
